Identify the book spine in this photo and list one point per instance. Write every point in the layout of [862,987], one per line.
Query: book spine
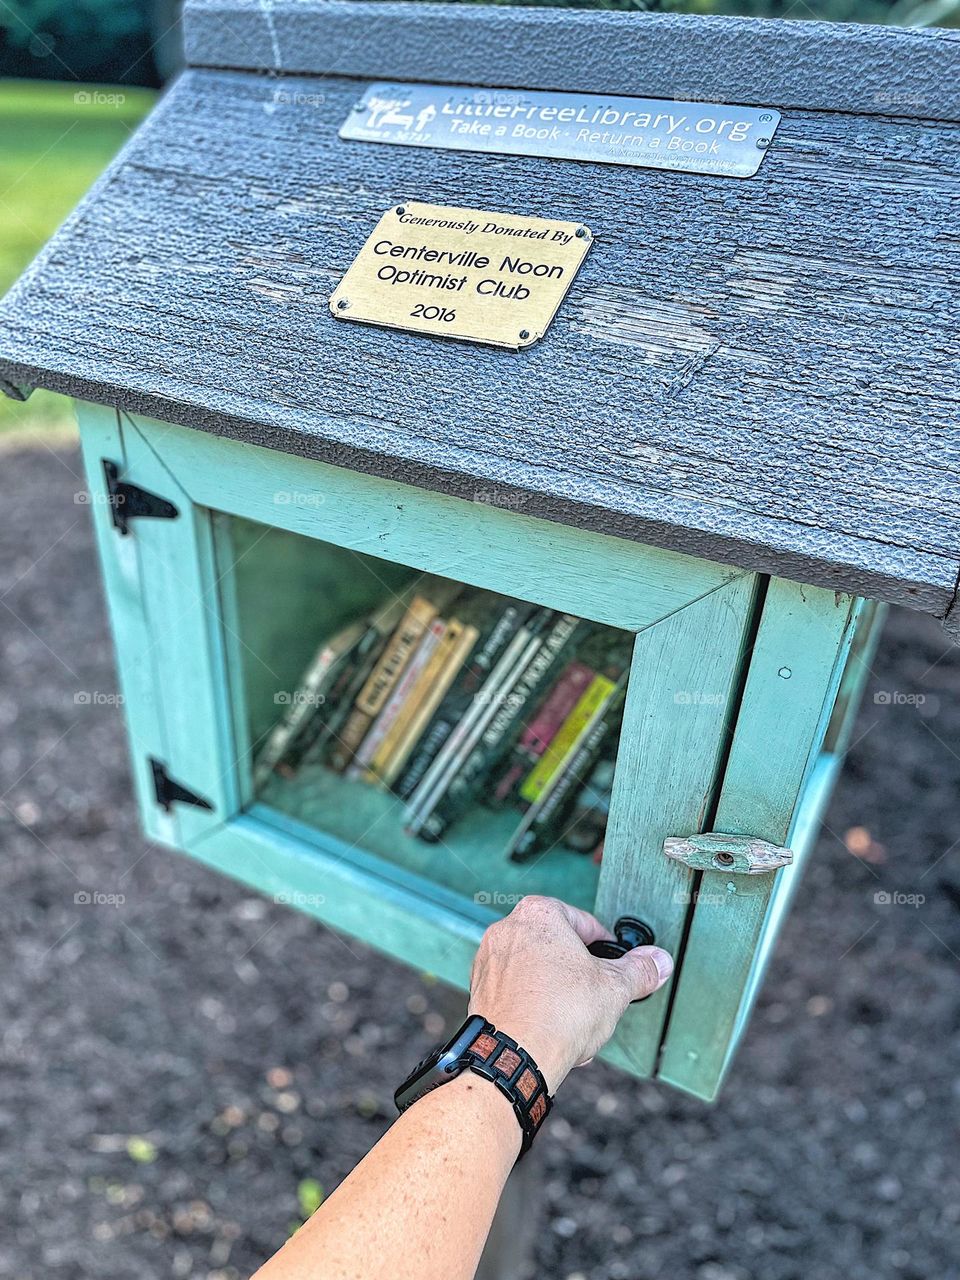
[451,654]
[304,703]
[328,727]
[349,738]
[458,698]
[394,704]
[376,691]
[310,732]
[538,779]
[350,680]
[285,730]
[466,732]
[505,723]
[426,752]
[555,708]
[541,731]
[374,694]
[546,827]
[583,751]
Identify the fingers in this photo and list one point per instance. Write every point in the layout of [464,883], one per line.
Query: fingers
[645,970]
[535,907]
[587,927]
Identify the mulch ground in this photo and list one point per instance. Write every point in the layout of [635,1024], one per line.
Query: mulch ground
[175,1066]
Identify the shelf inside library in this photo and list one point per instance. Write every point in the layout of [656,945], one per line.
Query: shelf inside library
[469,861]
[458,735]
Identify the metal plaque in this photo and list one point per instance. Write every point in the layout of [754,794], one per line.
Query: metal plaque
[462,273]
[650,133]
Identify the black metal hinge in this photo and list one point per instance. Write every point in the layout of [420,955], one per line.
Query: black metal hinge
[169,790]
[128,500]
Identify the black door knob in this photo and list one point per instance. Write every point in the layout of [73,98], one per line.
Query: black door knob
[630,933]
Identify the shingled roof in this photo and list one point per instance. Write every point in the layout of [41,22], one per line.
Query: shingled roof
[759,371]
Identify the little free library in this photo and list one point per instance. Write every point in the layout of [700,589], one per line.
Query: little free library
[505,430]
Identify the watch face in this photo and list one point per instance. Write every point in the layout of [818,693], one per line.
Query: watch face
[429,1062]
[440,1066]
[431,1073]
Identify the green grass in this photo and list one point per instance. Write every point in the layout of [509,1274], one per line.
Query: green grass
[53,144]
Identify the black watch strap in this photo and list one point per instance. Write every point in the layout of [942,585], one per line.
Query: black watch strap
[495,1057]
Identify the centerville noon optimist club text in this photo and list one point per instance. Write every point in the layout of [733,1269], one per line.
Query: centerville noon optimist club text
[451,262]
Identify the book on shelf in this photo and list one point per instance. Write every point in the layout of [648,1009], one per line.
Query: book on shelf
[607,655]
[467,730]
[304,702]
[593,699]
[432,595]
[544,823]
[497,620]
[402,693]
[451,653]
[449,696]
[538,734]
[497,735]
[351,675]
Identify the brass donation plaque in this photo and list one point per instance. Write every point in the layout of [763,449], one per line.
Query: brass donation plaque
[462,273]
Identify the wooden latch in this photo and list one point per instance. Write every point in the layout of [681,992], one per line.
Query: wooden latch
[741,855]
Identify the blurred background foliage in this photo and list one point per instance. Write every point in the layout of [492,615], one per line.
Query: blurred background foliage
[137,41]
[55,138]
[111,41]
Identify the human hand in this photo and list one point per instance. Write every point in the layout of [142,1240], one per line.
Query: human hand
[535,980]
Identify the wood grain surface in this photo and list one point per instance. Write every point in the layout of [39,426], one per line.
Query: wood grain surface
[819,65]
[761,372]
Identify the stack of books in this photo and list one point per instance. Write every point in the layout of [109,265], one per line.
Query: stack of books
[451,697]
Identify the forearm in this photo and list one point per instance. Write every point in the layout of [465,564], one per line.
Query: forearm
[420,1204]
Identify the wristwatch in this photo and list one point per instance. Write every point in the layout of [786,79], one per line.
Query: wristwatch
[479,1047]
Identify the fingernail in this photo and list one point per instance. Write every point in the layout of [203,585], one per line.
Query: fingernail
[664,962]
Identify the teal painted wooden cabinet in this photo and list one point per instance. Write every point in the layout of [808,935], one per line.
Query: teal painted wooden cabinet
[738,693]
[717,466]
